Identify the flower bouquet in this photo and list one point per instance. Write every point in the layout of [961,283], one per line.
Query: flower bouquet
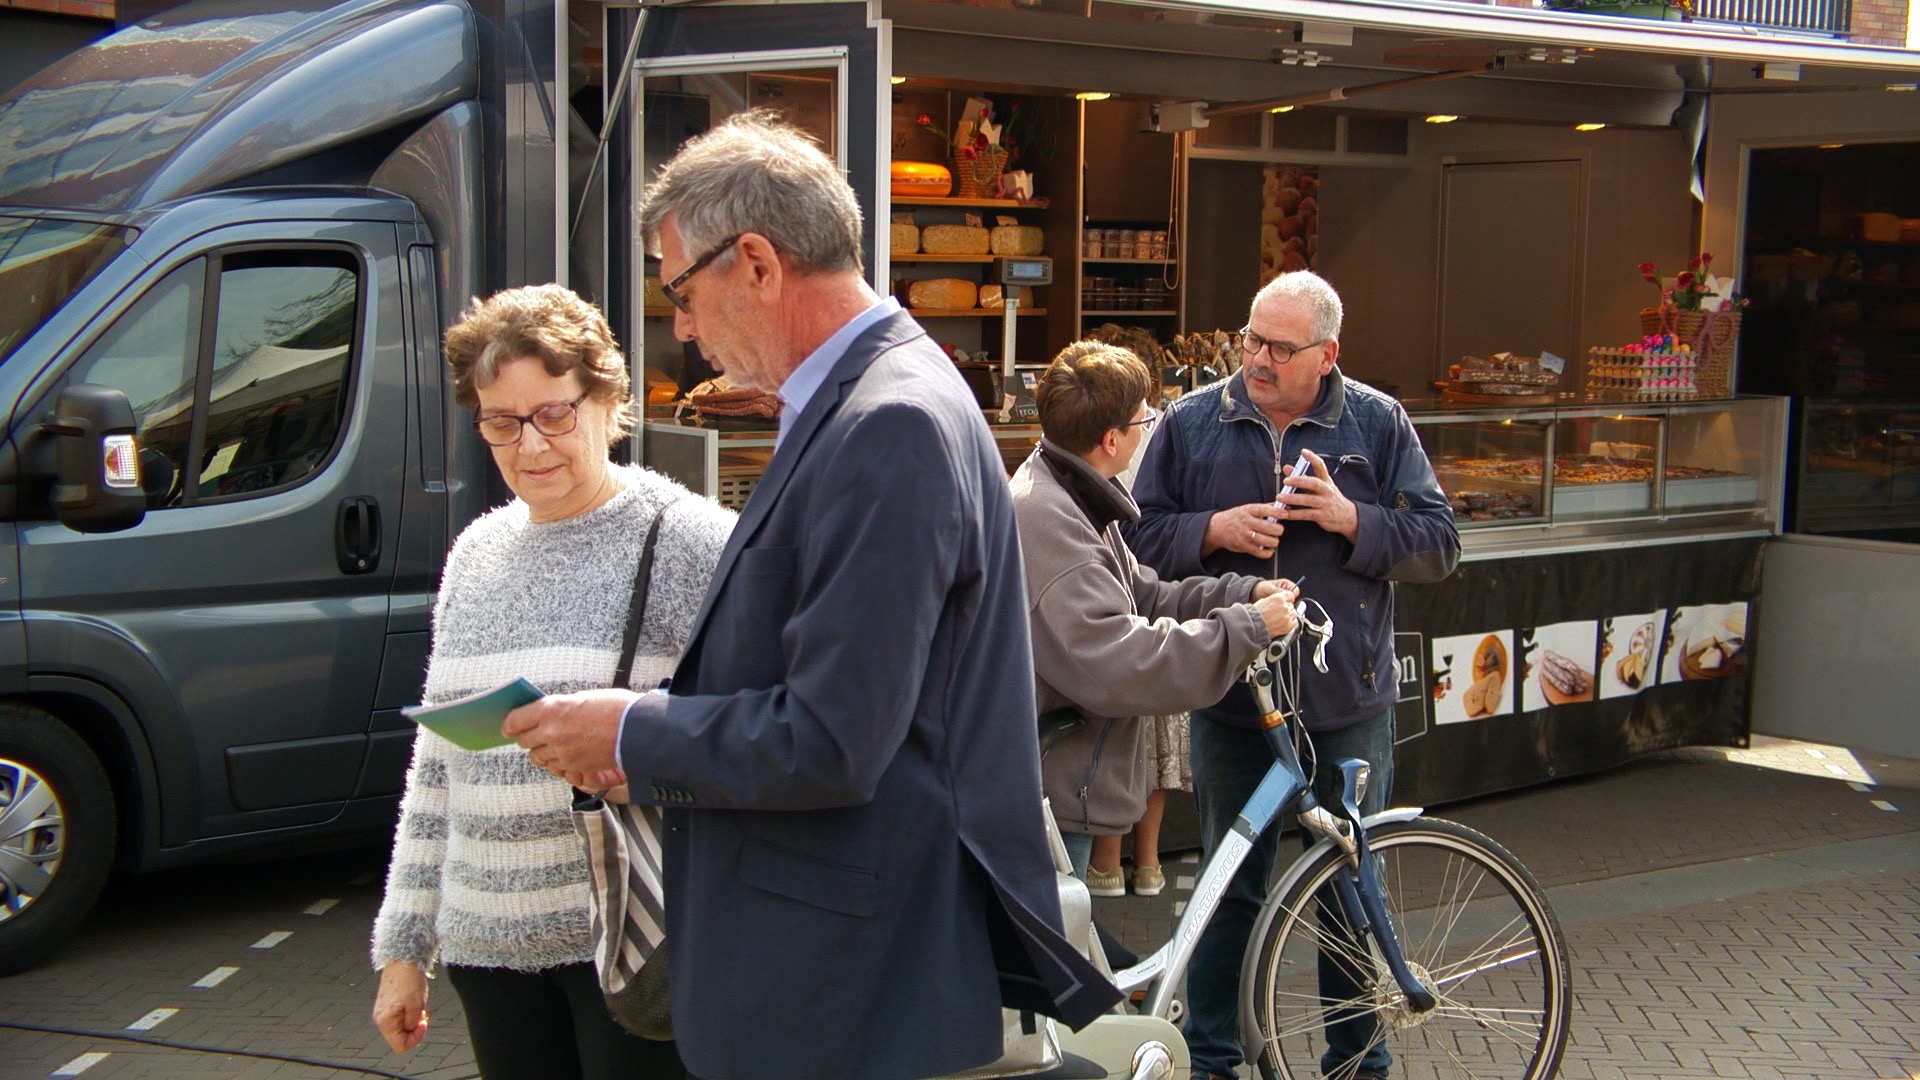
[978,155]
[1702,311]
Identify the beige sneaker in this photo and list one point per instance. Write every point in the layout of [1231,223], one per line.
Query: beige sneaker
[1148,881]
[1106,882]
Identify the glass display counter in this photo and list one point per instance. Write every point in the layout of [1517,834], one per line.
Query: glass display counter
[1578,474]
[1859,470]
[724,458]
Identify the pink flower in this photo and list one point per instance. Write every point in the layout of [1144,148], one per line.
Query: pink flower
[1684,280]
[1726,305]
[1693,263]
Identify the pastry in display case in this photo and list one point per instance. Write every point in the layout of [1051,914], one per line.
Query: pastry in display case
[1489,469]
[1604,465]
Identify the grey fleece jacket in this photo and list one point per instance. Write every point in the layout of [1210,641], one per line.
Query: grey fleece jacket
[1112,639]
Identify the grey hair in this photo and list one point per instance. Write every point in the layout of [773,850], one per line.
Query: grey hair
[1309,288]
[757,173]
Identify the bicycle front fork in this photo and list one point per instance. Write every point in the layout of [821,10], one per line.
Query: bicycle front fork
[1360,891]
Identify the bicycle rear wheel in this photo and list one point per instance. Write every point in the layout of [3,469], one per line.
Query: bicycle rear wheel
[1474,928]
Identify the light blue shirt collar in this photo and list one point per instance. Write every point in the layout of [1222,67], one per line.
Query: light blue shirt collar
[805,381]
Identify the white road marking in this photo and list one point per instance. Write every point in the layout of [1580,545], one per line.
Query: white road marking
[1885,805]
[151,1020]
[214,978]
[1811,752]
[273,939]
[1858,786]
[1837,770]
[80,1064]
[1183,882]
[320,907]
[1179,908]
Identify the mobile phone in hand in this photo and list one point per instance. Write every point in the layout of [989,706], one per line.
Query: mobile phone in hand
[1300,467]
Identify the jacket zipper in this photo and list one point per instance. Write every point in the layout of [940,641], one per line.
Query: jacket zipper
[1086,782]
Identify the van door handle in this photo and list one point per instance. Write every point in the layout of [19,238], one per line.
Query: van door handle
[356,535]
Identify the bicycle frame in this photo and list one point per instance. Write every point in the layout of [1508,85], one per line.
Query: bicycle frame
[1285,784]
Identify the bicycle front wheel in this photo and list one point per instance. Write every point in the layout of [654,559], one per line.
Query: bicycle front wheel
[1475,930]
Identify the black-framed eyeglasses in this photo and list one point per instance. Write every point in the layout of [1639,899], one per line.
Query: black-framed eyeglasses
[672,288]
[1251,344]
[1146,422]
[552,421]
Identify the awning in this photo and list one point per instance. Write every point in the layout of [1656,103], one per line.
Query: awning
[1525,64]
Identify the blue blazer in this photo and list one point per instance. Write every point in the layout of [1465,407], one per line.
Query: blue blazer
[857,873]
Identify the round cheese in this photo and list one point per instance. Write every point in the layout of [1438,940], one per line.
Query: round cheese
[921,178]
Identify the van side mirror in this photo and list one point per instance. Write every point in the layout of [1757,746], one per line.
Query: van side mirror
[97,460]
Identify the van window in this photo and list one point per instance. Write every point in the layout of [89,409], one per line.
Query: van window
[281,355]
[150,355]
[268,392]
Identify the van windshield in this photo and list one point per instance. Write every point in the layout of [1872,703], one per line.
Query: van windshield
[43,262]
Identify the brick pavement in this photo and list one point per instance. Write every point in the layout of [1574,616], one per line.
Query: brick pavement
[1730,913]
[1747,913]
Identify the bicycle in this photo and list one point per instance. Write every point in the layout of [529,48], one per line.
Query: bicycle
[1459,959]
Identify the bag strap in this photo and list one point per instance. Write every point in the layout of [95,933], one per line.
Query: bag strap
[642,581]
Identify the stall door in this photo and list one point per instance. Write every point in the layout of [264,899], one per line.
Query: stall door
[819,65]
[1512,252]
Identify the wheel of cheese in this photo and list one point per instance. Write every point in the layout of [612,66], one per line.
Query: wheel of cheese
[921,178]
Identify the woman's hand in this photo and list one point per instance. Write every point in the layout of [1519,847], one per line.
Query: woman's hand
[400,1008]
[1277,609]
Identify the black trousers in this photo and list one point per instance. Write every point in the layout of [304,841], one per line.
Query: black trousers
[553,1025]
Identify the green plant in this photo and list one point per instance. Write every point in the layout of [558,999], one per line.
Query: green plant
[1030,128]
[1695,288]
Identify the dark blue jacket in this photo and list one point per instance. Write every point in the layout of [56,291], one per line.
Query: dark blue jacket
[857,870]
[1216,450]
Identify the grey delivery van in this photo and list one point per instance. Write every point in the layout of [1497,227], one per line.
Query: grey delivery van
[230,468]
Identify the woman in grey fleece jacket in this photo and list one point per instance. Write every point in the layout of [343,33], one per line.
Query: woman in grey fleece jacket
[488,879]
[1109,637]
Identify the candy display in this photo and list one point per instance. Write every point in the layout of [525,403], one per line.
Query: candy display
[1656,368]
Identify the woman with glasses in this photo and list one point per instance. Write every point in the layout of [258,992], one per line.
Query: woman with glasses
[1110,639]
[487,878]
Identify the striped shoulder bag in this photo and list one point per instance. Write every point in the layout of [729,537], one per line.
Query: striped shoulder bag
[628,914]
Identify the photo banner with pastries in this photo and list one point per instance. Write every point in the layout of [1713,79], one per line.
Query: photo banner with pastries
[1534,668]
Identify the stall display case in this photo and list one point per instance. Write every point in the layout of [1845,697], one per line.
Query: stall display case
[1859,470]
[724,459]
[1587,472]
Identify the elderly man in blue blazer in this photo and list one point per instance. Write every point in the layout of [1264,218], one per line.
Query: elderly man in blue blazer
[857,870]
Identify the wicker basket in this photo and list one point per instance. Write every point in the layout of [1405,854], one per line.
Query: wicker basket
[978,177]
[1712,336]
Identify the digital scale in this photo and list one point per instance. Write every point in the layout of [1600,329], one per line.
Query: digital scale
[1017,271]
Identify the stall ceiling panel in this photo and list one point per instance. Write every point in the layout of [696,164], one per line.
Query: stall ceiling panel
[1037,67]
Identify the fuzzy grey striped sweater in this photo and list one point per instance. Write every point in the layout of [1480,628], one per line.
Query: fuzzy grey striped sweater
[486,870]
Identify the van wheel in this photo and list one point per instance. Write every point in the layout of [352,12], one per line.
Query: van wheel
[57,827]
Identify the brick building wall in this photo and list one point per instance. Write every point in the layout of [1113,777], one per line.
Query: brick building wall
[1880,22]
[85,9]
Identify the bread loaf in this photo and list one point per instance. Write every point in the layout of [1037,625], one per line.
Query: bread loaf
[938,293]
[954,240]
[1017,240]
[1483,697]
[903,239]
[995,296]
